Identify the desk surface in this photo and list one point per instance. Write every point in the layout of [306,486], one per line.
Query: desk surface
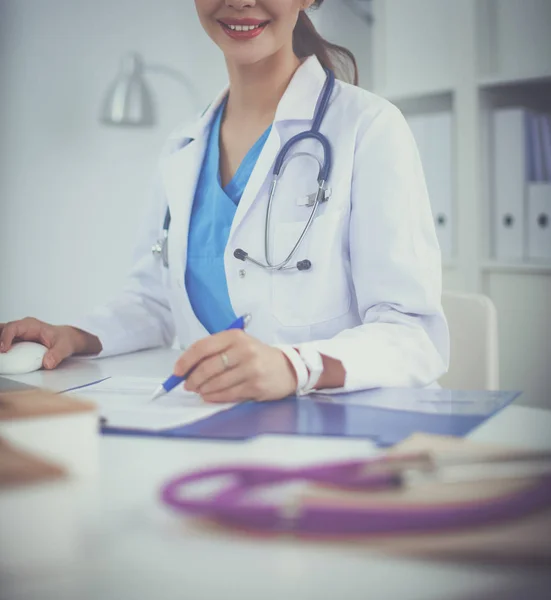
[134,548]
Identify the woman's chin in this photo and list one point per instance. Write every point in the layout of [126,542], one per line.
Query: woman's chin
[247,58]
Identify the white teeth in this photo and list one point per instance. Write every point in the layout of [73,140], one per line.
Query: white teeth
[243,27]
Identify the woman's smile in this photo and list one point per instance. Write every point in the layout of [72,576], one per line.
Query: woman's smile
[243,29]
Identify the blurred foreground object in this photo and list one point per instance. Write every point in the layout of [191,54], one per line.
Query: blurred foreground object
[495,506]
[38,523]
[55,427]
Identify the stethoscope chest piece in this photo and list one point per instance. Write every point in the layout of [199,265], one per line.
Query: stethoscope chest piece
[313,201]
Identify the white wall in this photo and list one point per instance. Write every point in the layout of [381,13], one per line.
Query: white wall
[72,190]
[339,24]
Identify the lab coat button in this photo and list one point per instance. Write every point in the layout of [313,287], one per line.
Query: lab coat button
[242,273]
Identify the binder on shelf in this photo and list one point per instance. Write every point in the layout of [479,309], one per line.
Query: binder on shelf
[536,168]
[545,129]
[539,221]
[511,152]
[433,135]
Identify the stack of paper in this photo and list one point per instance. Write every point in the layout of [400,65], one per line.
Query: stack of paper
[525,539]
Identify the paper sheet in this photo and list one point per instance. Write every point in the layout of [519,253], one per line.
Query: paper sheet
[125,403]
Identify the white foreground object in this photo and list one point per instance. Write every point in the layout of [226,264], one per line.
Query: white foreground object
[38,526]
[57,428]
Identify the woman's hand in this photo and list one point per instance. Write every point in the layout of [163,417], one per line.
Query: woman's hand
[232,366]
[62,341]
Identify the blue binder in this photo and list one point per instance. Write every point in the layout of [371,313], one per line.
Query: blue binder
[384,416]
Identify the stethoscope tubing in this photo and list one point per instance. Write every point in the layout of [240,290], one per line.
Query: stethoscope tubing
[161,247]
[232,508]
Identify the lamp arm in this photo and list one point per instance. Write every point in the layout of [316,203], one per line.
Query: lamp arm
[177,76]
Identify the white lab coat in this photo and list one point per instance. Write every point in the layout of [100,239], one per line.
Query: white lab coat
[373,296]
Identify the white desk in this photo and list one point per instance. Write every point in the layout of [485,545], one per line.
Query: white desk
[135,548]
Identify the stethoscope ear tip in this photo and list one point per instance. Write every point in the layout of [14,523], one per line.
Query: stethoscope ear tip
[304,265]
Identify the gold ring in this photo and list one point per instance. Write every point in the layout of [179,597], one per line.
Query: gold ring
[225,360]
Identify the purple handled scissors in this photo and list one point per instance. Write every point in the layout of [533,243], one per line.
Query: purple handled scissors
[233,505]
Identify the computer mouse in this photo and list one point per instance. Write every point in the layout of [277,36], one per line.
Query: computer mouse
[21,358]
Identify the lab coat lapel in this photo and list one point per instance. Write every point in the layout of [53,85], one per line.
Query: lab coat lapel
[180,172]
[298,104]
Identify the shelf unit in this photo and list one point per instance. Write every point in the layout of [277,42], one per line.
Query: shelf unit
[471,57]
[532,93]
[471,40]
[497,266]
[419,100]
[501,81]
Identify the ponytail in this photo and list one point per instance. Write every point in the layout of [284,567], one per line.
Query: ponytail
[307,42]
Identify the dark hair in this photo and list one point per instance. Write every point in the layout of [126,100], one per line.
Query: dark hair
[307,41]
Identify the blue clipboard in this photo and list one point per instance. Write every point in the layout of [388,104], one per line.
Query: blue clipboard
[384,416]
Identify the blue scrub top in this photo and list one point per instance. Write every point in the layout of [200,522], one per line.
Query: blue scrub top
[212,215]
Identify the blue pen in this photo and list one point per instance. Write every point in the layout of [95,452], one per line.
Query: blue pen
[174,380]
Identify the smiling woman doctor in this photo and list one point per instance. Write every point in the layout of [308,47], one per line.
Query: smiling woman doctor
[356,305]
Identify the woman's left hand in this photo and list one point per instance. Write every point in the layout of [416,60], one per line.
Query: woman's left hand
[232,366]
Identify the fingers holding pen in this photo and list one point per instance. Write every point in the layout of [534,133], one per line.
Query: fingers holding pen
[221,370]
[233,366]
[206,348]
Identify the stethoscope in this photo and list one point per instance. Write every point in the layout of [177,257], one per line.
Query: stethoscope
[236,503]
[281,163]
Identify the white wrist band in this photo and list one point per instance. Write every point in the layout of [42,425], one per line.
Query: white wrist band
[298,365]
[314,366]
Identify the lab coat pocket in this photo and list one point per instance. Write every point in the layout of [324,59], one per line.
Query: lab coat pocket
[322,293]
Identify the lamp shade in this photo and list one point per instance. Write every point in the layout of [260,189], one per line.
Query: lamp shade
[128,101]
